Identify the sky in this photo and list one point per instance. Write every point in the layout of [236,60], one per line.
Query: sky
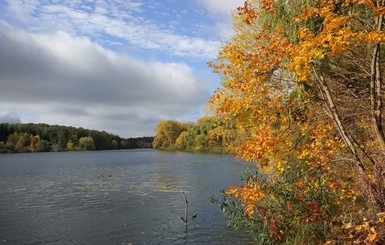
[119,66]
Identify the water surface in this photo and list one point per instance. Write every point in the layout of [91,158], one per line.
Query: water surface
[114,197]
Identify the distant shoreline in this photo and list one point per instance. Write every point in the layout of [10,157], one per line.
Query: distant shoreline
[26,138]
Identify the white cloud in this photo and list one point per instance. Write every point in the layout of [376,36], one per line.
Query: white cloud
[119,19]
[222,7]
[57,78]
[223,10]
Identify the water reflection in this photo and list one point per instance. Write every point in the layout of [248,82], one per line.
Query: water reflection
[62,198]
[165,180]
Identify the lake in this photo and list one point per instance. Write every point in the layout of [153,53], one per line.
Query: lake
[115,197]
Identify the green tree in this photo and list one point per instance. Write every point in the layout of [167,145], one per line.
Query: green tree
[43,146]
[2,147]
[86,143]
[25,137]
[19,142]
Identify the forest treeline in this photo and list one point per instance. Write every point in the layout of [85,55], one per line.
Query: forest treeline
[43,138]
[208,134]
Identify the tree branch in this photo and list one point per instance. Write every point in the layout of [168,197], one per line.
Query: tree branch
[185,209]
[337,119]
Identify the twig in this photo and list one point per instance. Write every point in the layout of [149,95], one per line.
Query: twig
[185,209]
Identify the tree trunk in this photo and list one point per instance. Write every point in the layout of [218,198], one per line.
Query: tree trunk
[337,119]
[376,85]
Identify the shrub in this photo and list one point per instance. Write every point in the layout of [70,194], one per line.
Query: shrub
[282,210]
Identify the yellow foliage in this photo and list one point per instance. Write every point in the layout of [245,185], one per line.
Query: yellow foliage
[267,80]
[247,194]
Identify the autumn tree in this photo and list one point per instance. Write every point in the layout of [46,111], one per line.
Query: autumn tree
[34,141]
[305,79]
[86,143]
[344,67]
[19,142]
[43,146]
[207,134]
[180,143]
[167,133]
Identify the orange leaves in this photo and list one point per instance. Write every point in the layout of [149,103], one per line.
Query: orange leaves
[274,74]
[35,139]
[334,38]
[259,146]
[248,12]
[373,37]
[248,194]
[367,3]
[321,146]
[250,96]
[368,232]
[305,34]
[267,146]
[379,11]
[309,12]
[335,33]
[258,67]
[268,5]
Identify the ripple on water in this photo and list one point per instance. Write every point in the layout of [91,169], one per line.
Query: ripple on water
[63,199]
